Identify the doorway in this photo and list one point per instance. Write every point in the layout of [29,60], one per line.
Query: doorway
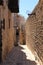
[0,41]
[17,34]
[2,26]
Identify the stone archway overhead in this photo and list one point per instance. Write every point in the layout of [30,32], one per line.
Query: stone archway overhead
[1,2]
[13,6]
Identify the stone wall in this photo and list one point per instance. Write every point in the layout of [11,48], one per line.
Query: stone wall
[34,31]
[30,33]
[19,22]
[4,34]
[22,36]
[8,33]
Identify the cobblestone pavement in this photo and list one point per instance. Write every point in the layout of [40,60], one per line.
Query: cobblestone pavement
[18,57]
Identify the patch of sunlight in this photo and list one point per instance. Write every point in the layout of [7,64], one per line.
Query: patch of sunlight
[29,55]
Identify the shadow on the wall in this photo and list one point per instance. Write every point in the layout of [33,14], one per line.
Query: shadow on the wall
[17,57]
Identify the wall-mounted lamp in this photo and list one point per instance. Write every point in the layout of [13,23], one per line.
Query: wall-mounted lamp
[32,14]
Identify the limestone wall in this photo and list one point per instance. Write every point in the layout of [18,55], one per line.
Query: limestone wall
[19,22]
[34,32]
[4,34]
[8,34]
[22,31]
[30,33]
[22,36]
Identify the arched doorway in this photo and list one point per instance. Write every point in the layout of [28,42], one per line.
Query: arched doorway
[2,26]
[17,34]
[0,41]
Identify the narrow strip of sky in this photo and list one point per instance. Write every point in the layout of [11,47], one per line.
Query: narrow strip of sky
[26,6]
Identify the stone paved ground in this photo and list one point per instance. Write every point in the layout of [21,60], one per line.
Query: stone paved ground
[18,57]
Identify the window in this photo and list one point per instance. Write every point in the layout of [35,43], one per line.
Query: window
[2,23]
[9,23]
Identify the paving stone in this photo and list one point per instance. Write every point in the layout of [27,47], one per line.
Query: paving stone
[17,57]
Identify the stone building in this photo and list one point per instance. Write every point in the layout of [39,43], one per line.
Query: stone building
[11,27]
[19,28]
[22,37]
[7,31]
[34,32]
[1,19]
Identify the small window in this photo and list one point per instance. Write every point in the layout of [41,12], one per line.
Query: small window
[9,23]
[2,24]
[17,32]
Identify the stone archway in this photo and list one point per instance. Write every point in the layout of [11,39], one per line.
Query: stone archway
[17,34]
[0,45]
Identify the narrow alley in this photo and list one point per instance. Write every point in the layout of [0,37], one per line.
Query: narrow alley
[21,33]
[19,55]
